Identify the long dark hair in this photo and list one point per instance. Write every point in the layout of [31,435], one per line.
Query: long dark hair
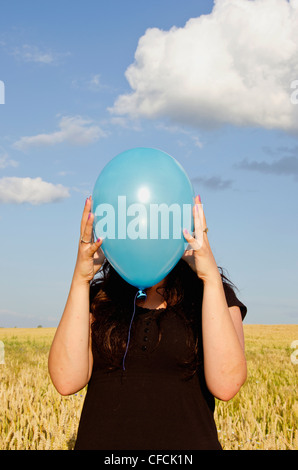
[111,301]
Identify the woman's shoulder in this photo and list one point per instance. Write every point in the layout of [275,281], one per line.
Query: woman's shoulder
[232,298]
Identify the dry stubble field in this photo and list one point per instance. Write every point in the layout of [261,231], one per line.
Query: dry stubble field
[264,415]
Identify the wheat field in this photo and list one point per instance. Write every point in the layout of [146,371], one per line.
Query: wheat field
[264,414]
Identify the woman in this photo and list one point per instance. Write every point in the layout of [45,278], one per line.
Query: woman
[186,347]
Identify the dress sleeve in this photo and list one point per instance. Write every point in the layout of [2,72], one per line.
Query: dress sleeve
[232,299]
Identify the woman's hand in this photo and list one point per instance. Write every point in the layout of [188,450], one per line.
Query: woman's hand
[90,257]
[200,256]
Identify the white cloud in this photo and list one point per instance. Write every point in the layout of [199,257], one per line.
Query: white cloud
[197,142]
[6,161]
[33,54]
[31,190]
[174,129]
[91,83]
[30,53]
[232,66]
[73,130]
[95,82]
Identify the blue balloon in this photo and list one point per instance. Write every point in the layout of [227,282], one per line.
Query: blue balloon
[142,201]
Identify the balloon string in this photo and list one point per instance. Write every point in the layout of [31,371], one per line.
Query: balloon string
[140,293]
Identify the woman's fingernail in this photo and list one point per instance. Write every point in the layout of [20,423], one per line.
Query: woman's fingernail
[89,215]
[98,240]
[185,231]
[199,198]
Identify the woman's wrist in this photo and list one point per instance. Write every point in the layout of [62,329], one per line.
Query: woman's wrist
[213,277]
[79,280]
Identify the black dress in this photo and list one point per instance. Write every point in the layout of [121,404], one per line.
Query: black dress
[150,405]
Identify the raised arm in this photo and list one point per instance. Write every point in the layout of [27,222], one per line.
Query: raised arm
[223,341]
[70,358]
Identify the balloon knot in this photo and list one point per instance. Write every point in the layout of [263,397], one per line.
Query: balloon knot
[141,294]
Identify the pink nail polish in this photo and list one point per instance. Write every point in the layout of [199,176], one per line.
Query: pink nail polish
[185,231]
[98,240]
[199,198]
[89,215]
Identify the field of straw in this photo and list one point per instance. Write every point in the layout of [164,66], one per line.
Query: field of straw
[264,415]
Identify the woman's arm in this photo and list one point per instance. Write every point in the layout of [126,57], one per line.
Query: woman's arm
[70,359]
[223,343]
[223,340]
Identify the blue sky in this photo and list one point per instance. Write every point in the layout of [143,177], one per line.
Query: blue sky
[85,81]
